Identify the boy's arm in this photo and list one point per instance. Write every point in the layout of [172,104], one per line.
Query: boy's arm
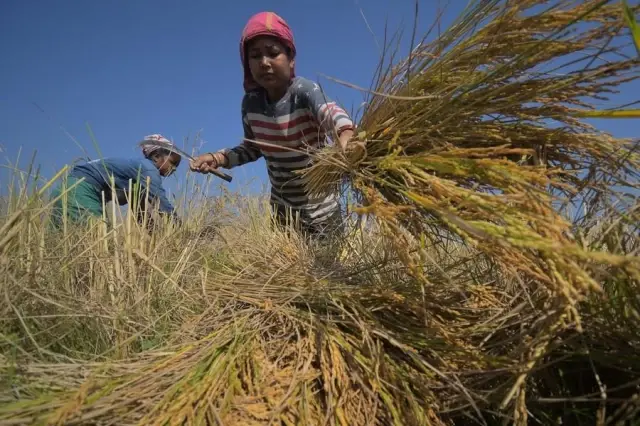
[244,153]
[228,158]
[331,117]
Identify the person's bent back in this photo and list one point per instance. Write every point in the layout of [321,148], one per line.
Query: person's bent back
[93,180]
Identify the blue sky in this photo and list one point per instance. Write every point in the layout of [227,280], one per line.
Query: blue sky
[128,68]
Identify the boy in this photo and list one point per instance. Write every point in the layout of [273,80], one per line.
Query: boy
[284,118]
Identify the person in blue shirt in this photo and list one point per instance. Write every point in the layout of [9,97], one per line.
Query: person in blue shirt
[84,200]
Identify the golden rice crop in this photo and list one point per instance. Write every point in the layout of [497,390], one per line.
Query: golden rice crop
[471,298]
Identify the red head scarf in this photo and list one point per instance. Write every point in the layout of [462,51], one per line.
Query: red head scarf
[264,23]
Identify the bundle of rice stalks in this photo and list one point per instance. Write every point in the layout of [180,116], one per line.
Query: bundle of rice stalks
[477,137]
[442,135]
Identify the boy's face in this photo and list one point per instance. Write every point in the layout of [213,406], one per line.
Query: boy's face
[269,63]
[167,164]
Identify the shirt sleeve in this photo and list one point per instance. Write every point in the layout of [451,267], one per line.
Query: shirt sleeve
[328,114]
[246,152]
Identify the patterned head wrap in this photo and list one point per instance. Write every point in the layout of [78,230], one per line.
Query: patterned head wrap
[264,23]
[156,142]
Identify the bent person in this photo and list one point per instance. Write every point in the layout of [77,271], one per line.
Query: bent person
[85,198]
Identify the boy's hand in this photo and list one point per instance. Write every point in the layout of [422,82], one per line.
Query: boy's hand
[356,151]
[344,138]
[207,163]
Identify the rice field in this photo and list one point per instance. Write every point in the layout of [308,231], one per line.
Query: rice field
[490,274]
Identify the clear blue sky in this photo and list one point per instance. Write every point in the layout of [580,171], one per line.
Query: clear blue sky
[131,67]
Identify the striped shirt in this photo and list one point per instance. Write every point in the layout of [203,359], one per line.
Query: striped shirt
[301,120]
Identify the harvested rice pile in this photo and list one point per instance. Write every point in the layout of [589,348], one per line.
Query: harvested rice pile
[472,297]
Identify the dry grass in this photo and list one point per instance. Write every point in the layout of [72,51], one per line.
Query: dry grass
[248,327]
[468,300]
